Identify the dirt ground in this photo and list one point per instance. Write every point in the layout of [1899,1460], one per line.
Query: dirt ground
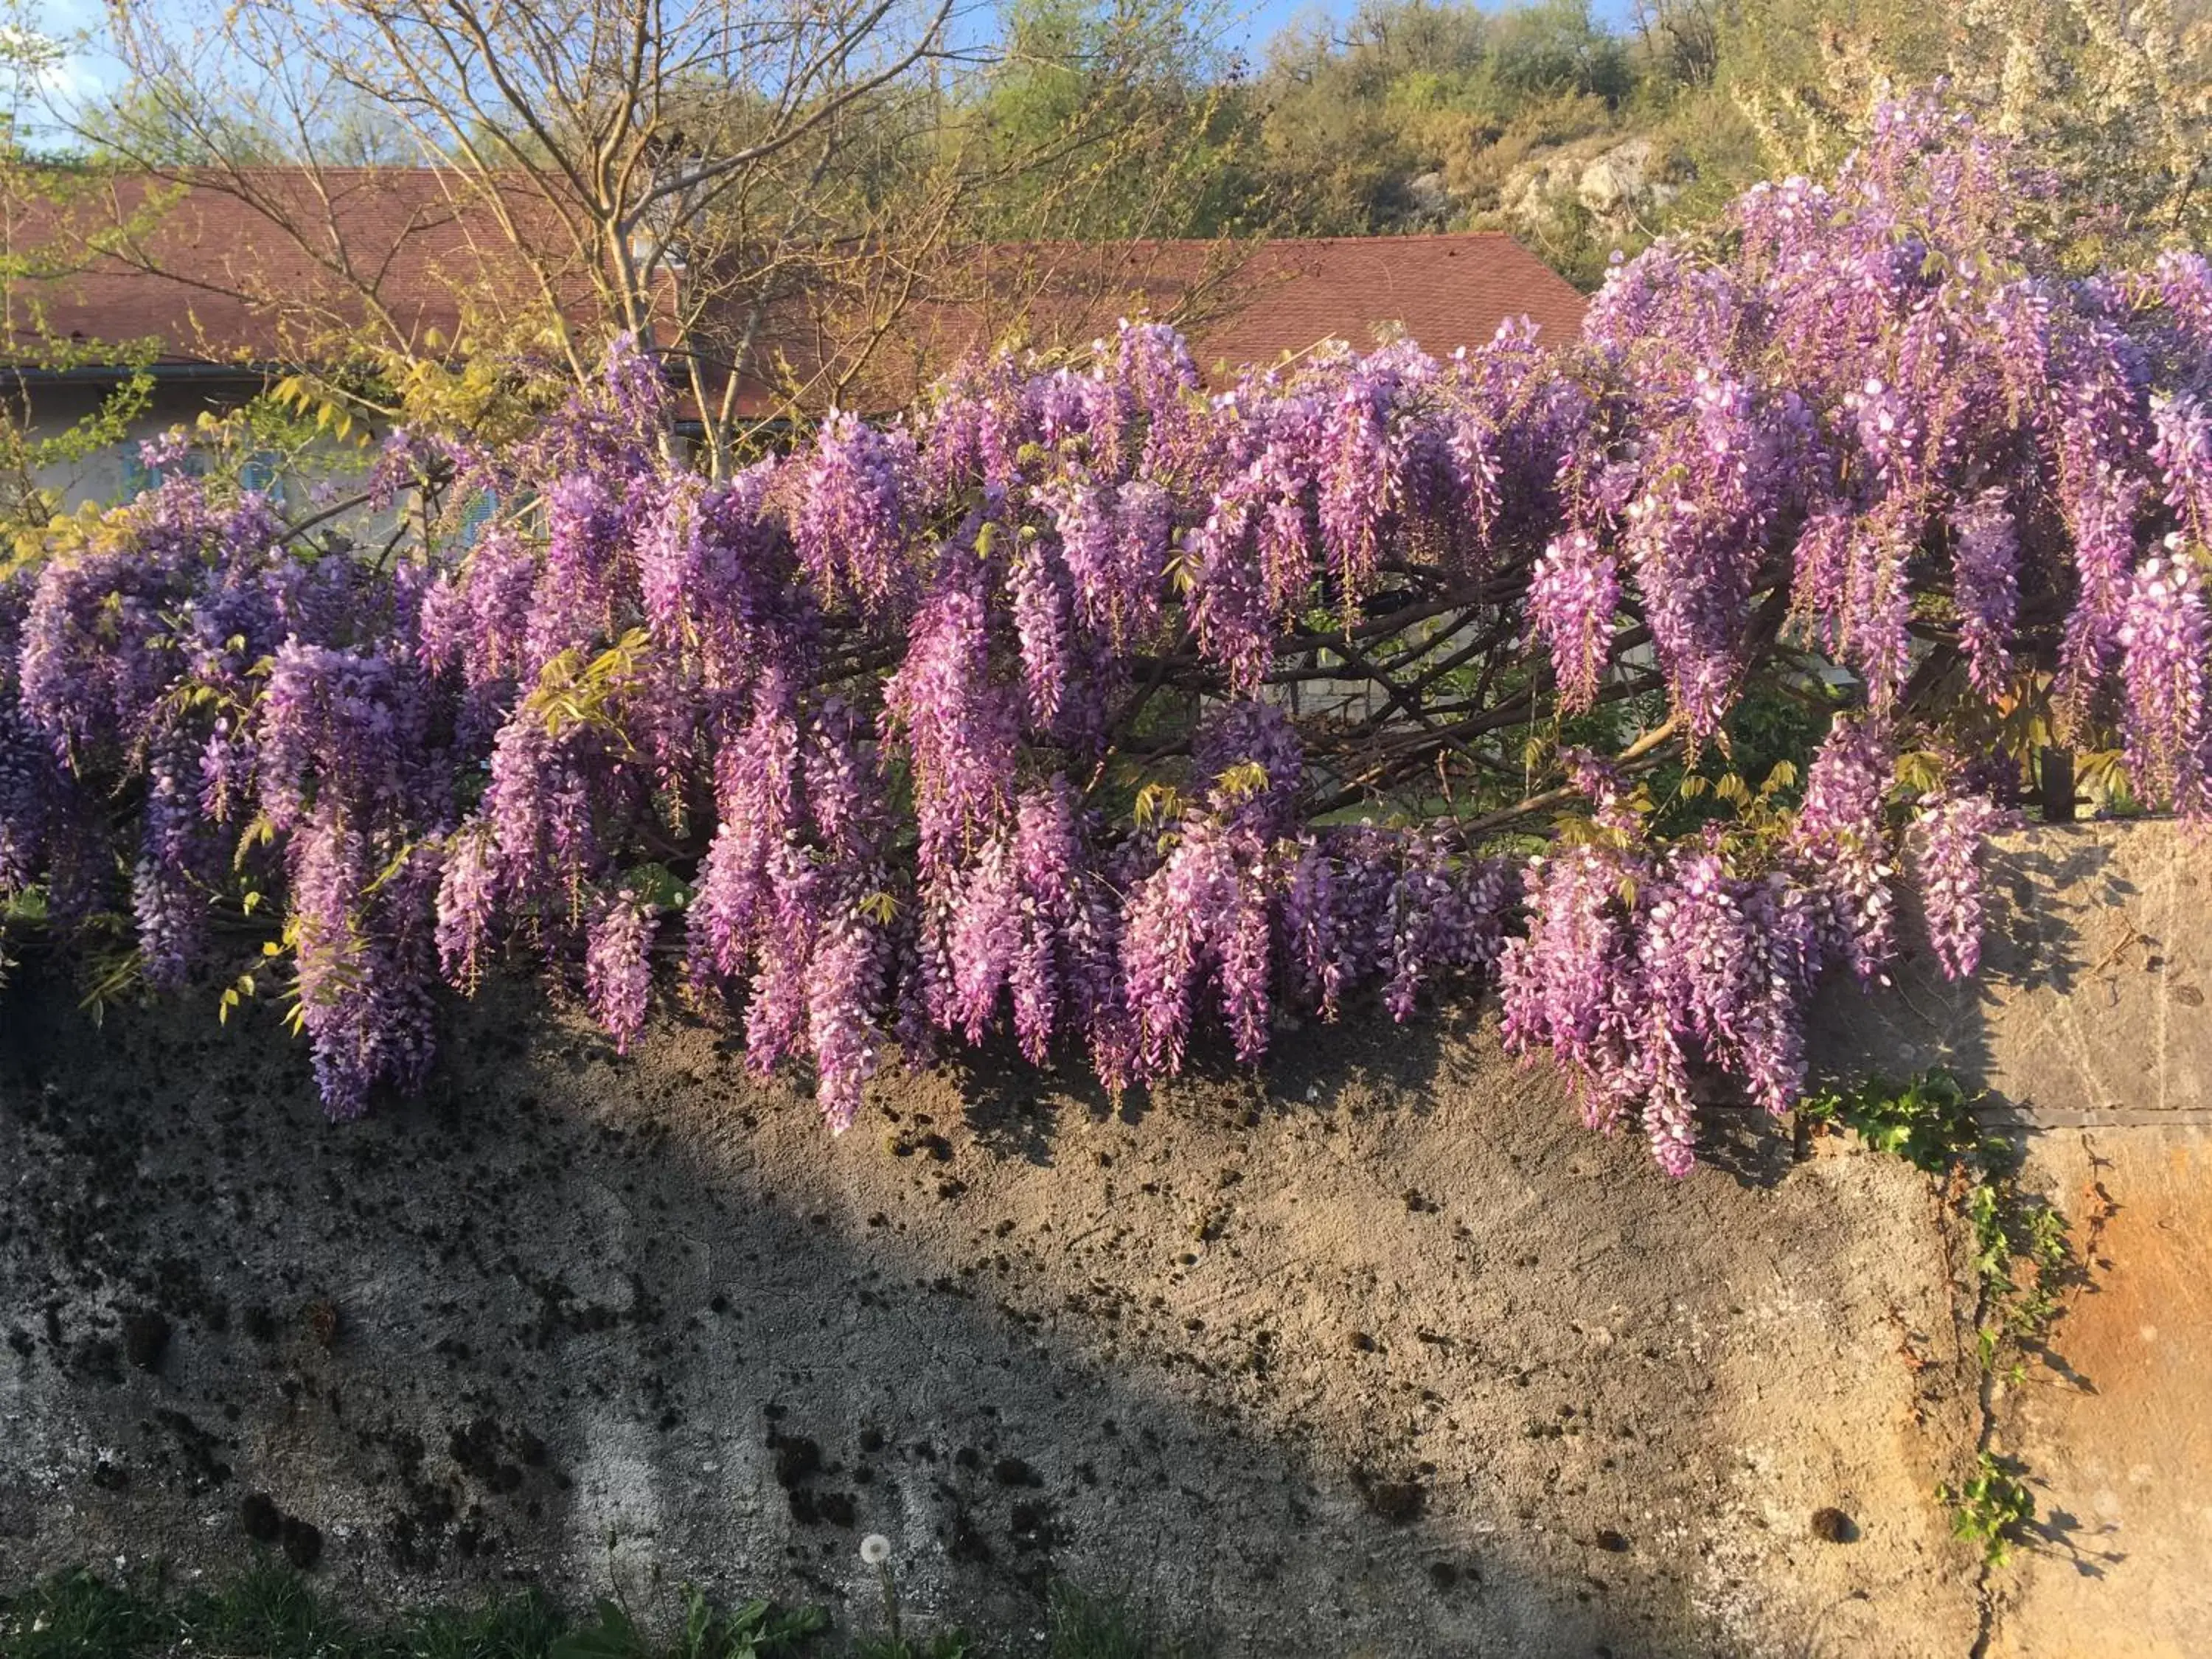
[1382,1353]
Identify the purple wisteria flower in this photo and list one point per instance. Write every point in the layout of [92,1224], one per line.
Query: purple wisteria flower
[1100,712]
[618,966]
[1953,827]
[2164,664]
[1573,597]
[851,522]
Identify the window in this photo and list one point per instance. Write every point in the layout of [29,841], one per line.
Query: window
[139,477]
[483,507]
[259,473]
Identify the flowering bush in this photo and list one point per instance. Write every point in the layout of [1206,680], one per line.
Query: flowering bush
[1086,705]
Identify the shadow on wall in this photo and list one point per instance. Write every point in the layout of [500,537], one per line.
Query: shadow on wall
[1385,1354]
[2089,1007]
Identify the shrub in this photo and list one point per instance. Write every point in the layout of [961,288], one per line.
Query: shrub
[1083,704]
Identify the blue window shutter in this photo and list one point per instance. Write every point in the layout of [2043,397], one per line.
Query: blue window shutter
[476,515]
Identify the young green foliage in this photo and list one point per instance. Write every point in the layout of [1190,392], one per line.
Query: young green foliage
[1993,1508]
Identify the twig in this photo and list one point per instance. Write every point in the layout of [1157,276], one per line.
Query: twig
[325,516]
[1645,748]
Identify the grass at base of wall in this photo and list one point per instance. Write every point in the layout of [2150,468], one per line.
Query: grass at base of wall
[271,1612]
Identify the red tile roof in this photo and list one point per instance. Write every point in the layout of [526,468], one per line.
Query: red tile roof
[215,277]
[261,269]
[1446,291]
[1242,304]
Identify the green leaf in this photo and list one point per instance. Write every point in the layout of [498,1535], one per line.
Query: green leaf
[614,1636]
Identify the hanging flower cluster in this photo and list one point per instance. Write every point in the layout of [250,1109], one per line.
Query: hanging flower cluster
[1092,708]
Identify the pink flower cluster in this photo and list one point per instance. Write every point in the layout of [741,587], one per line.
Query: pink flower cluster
[991,719]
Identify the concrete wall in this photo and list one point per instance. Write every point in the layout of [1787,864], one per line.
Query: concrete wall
[1381,1353]
[2089,1026]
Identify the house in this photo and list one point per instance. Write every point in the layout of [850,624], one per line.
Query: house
[217,285]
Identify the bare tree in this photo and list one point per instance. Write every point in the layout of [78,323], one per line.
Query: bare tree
[55,221]
[1684,35]
[762,190]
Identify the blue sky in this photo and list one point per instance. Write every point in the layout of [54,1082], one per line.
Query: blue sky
[1256,21]
[65,18]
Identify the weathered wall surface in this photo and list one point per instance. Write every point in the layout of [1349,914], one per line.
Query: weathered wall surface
[1382,1353]
[2089,1026]
[2090,1009]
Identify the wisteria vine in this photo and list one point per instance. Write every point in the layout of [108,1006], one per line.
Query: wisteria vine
[1086,705]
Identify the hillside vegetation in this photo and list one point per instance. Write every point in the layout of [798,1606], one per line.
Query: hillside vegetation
[1583,140]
